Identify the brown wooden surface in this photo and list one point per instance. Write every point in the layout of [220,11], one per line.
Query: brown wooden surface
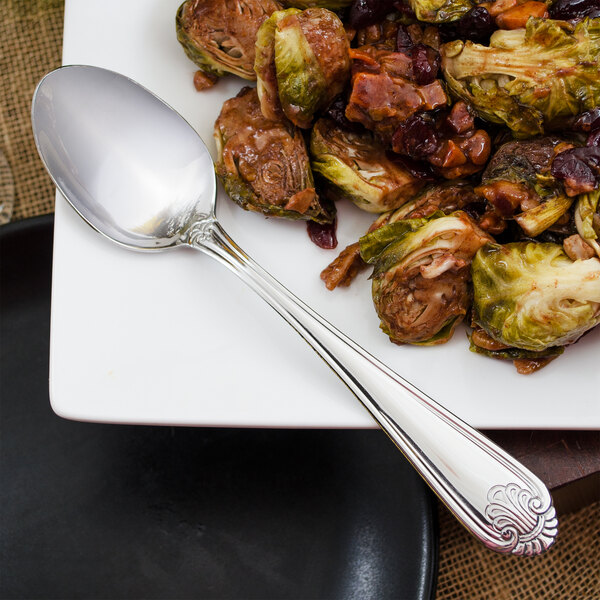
[556,457]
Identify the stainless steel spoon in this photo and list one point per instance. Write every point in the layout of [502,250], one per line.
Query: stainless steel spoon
[138,173]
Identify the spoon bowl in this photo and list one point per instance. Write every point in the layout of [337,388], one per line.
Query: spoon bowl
[140,175]
[131,166]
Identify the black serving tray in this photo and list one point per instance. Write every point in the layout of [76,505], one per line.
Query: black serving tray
[113,511]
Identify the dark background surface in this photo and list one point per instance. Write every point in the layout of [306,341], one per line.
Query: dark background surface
[115,511]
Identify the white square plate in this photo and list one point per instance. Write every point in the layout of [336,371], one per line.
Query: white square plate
[175,338]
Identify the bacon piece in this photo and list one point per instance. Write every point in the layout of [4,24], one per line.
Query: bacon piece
[343,270]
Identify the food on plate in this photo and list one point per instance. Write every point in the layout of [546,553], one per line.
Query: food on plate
[302,63]
[447,139]
[525,361]
[471,131]
[518,184]
[356,167]
[394,76]
[440,11]
[514,15]
[446,197]
[335,5]
[528,78]
[587,222]
[574,10]
[532,296]
[219,37]
[421,275]
[579,167]
[263,164]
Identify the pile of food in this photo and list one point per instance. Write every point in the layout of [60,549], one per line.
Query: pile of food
[470,130]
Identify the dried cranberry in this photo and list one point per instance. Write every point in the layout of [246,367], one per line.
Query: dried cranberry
[477,25]
[416,137]
[579,168]
[593,138]
[416,168]
[425,64]
[570,10]
[587,121]
[368,12]
[404,42]
[322,234]
[404,9]
[476,209]
[337,112]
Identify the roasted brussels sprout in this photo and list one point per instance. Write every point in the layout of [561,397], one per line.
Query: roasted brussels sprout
[517,183]
[302,63]
[440,11]
[264,164]
[219,36]
[533,296]
[421,275]
[587,219]
[528,78]
[526,361]
[356,166]
[446,197]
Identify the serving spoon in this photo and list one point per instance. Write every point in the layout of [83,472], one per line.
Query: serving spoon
[140,175]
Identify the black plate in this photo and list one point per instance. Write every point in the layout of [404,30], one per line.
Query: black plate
[113,511]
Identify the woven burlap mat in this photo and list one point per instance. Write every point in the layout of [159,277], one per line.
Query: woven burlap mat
[570,570]
[30,46]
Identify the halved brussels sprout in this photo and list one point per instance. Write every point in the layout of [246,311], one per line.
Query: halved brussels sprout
[440,11]
[219,36]
[526,164]
[421,275]
[356,165]
[302,63]
[533,296]
[447,197]
[528,78]
[526,361]
[264,164]
[517,183]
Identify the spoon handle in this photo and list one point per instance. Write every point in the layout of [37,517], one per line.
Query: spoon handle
[495,497]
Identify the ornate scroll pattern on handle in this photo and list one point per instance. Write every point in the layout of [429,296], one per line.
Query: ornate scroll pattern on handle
[526,524]
[201,231]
